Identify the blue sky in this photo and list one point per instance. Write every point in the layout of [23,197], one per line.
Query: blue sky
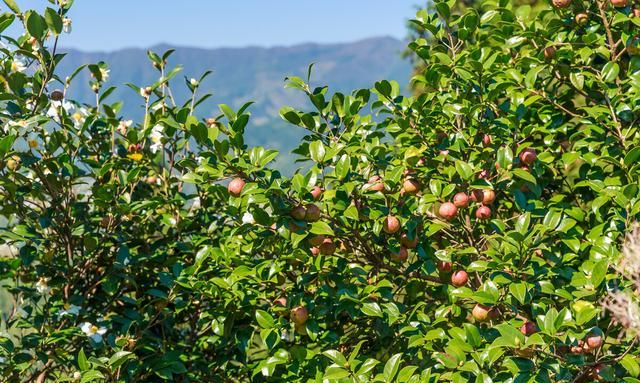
[113,24]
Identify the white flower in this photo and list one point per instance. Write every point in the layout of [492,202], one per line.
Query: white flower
[2,360]
[247,218]
[79,117]
[66,25]
[54,109]
[156,138]
[123,126]
[104,73]
[22,313]
[172,221]
[42,287]
[93,332]
[194,82]
[18,66]
[69,310]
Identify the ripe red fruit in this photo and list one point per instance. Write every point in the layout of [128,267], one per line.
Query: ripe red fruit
[619,3]
[461,200]
[594,340]
[477,195]
[459,278]
[481,313]
[299,212]
[391,225]
[411,186]
[448,211]
[315,251]
[528,156]
[483,213]
[636,12]
[316,192]
[561,3]
[327,247]
[375,184]
[488,196]
[316,240]
[282,301]
[313,213]
[444,266]
[528,328]
[299,315]
[401,255]
[486,140]
[549,53]
[235,186]
[410,243]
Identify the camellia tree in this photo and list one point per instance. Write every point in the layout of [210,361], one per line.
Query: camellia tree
[469,233]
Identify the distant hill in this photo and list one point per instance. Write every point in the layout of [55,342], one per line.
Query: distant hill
[251,74]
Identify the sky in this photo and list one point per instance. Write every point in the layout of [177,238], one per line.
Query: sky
[104,25]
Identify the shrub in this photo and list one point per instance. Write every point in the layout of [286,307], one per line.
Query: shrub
[167,249]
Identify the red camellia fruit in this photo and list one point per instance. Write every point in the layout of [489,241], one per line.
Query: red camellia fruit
[477,195]
[481,312]
[459,278]
[561,3]
[410,243]
[316,192]
[461,200]
[327,247]
[444,266]
[299,315]
[235,186]
[528,328]
[282,301]
[312,213]
[411,186]
[549,53]
[57,95]
[594,341]
[619,3]
[375,184]
[401,255]
[486,140]
[448,211]
[299,212]
[316,240]
[315,251]
[391,225]
[636,12]
[483,213]
[488,196]
[528,156]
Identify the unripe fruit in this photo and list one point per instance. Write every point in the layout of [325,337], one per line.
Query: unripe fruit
[619,3]
[561,3]
[528,328]
[13,163]
[411,186]
[316,240]
[375,184]
[401,255]
[481,313]
[461,200]
[459,278]
[483,213]
[528,156]
[313,213]
[488,196]
[299,212]
[582,18]
[448,211]
[410,243]
[444,266]
[391,225]
[477,195]
[299,315]
[235,186]
[57,95]
[486,140]
[549,53]
[327,247]
[316,192]
[594,341]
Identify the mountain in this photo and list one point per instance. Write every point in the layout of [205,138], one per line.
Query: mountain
[248,74]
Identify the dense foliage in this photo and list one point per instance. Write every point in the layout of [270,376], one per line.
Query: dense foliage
[468,233]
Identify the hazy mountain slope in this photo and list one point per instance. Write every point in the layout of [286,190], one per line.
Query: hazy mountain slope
[251,74]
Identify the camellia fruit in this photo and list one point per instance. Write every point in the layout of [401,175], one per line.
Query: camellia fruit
[461,200]
[528,328]
[448,211]
[299,212]
[486,140]
[411,186]
[57,95]
[483,212]
[316,240]
[316,192]
[391,225]
[444,266]
[561,3]
[459,278]
[235,186]
[488,196]
[410,243]
[315,251]
[594,341]
[477,195]
[401,255]
[582,18]
[299,315]
[375,184]
[13,163]
[549,53]
[282,301]
[312,213]
[636,12]
[528,156]
[327,247]
[481,312]
[619,3]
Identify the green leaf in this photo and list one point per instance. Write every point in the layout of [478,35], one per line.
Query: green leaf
[372,309]
[610,72]
[630,363]
[83,364]
[317,151]
[36,25]
[265,320]
[391,367]
[54,21]
[12,5]
[321,227]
